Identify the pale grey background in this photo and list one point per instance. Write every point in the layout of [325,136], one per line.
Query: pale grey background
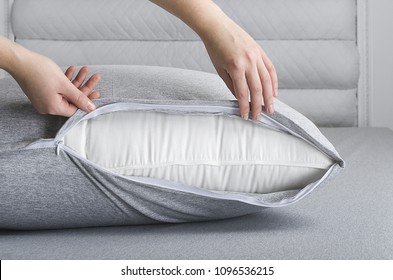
[381,23]
[380,39]
[350,218]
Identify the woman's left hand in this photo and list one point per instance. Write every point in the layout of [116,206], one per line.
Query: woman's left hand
[244,67]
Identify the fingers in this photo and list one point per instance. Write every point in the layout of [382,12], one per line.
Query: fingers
[255,87]
[66,108]
[78,98]
[78,93]
[70,72]
[86,87]
[227,79]
[241,92]
[255,80]
[80,77]
[91,83]
[257,83]
[73,98]
[267,88]
[94,95]
[272,72]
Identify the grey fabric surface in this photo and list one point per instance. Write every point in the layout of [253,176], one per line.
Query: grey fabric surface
[350,218]
[47,186]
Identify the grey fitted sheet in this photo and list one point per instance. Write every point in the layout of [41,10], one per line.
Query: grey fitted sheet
[349,218]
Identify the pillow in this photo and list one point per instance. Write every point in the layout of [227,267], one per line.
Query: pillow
[205,145]
[180,161]
[219,152]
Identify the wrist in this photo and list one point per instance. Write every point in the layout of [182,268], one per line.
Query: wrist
[5,53]
[203,16]
[12,56]
[210,22]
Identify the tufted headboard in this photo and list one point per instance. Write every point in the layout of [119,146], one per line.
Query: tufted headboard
[318,46]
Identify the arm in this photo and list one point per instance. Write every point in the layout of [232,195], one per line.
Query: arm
[238,59]
[49,90]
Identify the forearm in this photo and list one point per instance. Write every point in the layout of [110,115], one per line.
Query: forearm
[6,53]
[11,55]
[200,15]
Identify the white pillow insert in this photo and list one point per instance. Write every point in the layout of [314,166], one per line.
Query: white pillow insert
[212,151]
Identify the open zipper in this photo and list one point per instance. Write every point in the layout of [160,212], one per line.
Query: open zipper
[266,120]
[172,185]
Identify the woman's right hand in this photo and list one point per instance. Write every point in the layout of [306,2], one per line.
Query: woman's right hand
[48,88]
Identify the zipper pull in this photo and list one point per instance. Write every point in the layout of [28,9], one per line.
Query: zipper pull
[58,143]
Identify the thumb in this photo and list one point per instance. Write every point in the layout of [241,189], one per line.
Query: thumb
[76,97]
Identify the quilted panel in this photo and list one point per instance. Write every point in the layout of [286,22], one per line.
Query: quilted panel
[329,108]
[300,64]
[142,20]
[3,19]
[311,42]
[338,107]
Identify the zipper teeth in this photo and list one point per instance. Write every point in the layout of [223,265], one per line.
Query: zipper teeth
[284,128]
[58,143]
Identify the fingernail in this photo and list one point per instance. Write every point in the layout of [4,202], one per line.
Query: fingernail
[258,118]
[276,92]
[245,116]
[90,106]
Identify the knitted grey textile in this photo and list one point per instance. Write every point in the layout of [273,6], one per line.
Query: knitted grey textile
[44,186]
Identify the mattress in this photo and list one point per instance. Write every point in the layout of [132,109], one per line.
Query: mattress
[349,218]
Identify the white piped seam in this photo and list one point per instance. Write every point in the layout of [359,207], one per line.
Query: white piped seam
[317,165]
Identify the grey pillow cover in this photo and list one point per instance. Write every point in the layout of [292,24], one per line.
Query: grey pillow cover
[67,191]
[42,187]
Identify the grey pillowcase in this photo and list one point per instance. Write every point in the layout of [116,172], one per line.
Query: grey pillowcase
[72,192]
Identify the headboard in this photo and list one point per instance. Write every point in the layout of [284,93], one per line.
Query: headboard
[314,44]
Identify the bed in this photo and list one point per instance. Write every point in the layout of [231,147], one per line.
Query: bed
[322,66]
